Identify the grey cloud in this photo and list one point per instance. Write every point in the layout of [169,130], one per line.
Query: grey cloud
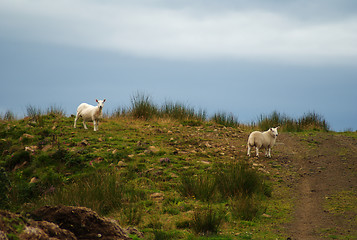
[281,31]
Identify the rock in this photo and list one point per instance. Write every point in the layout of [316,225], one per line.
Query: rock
[47,147]
[153,149]
[82,222]
[34,180]
[98,159]
[165,160]
[205,162]
[19,166]
[31,149]
[157,197]
[25,135]
[132,230]
[122,164]
[32,229]
[84,143]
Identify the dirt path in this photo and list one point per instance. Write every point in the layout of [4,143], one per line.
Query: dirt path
[325,165]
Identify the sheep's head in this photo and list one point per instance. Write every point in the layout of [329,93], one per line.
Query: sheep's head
[274,131]
[100,103]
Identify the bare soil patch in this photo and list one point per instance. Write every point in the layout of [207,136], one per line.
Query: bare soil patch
[325,164]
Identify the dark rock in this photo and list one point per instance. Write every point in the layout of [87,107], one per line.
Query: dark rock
[82,222]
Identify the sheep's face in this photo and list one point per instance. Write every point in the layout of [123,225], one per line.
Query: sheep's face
[274,131]
[100,103]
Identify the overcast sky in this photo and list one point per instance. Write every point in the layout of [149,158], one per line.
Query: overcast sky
[242,57]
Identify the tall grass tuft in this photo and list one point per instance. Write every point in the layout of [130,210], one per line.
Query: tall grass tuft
[309,121]
[101,191]
[142,107]
[55,111]
[181,112]
[33,112]
[8,116]
[313,121]
[201,187]
[238,179]
[228,120]
[207,221]
[274,119]
[246,208]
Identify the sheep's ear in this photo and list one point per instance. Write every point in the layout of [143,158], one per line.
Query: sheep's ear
[104,100]
[96,100]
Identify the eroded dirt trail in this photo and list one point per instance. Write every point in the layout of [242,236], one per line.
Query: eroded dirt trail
[325,164]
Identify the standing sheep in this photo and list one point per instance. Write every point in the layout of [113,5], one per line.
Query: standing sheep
[262,139]
[90,113]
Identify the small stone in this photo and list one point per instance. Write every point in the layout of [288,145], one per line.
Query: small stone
[157,196]
[153,149]
[165,160]
[34,180]
[25,135]
[31,149]
[122,164]
[84,143]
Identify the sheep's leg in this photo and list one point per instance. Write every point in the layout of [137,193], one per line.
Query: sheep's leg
[257,151]
[269,150]
[75,120]
[84,124]
[95,124]
[248,153]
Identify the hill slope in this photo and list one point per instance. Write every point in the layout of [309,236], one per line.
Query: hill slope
[312,176]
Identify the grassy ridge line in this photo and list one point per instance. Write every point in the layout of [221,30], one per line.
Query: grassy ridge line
[142,107]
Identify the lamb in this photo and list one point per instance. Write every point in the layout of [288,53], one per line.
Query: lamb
[90,113]
[262,139]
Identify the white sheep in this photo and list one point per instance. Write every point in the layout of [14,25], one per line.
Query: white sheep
[90,113]
[262,139]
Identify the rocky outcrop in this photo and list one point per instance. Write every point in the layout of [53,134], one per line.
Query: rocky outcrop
[82,222]
[60,222]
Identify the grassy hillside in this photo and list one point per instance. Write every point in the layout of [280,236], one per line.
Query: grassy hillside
[170,177]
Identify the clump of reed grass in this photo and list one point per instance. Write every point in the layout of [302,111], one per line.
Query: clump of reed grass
[142,107]
[56,111]
[228,120]
[313,121]
[246,207]
[238,179]
[34,113]
[309,121]
[179,111]
[8,116]
[200,187]
[206,221]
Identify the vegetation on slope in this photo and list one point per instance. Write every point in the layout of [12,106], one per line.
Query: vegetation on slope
[166,170]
